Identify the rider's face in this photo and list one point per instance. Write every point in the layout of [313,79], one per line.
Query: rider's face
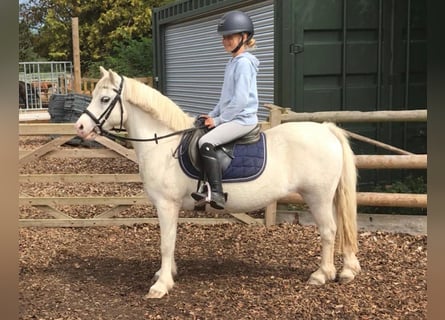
[231,41]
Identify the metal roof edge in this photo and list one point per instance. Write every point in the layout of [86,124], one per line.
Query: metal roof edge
[191,9]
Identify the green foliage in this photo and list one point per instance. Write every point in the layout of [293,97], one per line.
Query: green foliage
[26,52]
[132,58]
[409,185]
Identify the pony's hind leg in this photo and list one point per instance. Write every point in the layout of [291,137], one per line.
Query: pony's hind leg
[351,266]
[322,212]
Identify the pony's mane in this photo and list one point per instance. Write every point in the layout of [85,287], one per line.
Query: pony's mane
[160,107]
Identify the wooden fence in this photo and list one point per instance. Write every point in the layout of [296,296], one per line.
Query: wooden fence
[65,132]
[402,160]
[48,205]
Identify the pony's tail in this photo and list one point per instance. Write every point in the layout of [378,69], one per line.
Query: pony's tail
[345,199]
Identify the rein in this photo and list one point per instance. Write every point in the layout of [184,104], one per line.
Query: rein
[106,114]
[156,138]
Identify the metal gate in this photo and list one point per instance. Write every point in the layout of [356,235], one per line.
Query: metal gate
[39,80]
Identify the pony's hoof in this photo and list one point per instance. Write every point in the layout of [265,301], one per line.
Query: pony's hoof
[315,280]
[320,276]
[349,272]
[346,276]
[154,294]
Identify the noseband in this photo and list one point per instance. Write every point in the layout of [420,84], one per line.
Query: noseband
[106,114]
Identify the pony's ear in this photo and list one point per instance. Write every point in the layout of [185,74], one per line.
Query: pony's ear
[114,77]
[103,72]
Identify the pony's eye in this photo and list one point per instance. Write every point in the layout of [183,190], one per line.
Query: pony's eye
[105,99]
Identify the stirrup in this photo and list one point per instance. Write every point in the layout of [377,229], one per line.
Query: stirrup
[201,192]
[202,195]
[206,195]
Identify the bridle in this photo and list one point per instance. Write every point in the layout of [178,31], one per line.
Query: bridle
[106,114]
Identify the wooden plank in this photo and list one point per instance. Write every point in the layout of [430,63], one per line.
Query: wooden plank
[68,223]
[76,54]
[270,214]
[112,212]
[76,153]
[54,212]
[416,161]
[245,218]
[379,144]
[374,199]
[44,149]
[41,129]
[79,178]
[127,153]
[40,115]
[406,200]
[115,210]
[50,210]
[53,201]
[358,116]
[275,117]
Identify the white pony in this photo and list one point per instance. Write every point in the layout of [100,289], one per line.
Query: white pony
[312,159]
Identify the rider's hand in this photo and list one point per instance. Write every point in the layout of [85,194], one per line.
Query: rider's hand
[209,122]
[199,121]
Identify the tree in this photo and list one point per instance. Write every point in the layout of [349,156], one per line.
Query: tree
[26,48]
[104,27]
[131,58]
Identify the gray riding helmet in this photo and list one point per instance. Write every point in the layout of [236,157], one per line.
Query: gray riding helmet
[234,22]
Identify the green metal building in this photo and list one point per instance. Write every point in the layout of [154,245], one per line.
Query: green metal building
[315,55]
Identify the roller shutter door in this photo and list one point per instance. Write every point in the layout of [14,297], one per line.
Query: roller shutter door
[195,60]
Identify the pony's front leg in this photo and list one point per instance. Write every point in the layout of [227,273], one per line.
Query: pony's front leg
[168,219]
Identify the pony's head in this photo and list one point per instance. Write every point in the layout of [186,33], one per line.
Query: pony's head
[112,97]
[106,109]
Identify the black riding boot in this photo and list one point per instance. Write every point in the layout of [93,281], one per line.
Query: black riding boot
[213,172]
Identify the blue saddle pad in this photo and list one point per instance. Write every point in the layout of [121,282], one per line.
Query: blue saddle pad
[249,161]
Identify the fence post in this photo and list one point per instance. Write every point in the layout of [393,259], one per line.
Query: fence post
[270,213]
[76,55]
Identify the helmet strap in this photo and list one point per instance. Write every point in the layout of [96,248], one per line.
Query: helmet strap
[240,44]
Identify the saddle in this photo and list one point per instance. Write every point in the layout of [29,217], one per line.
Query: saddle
[241,160]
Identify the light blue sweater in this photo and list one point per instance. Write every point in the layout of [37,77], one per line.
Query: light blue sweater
[239,94]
